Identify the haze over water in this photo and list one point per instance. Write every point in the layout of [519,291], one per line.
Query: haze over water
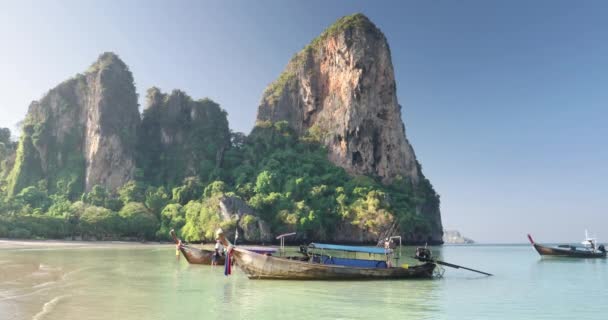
[147,282]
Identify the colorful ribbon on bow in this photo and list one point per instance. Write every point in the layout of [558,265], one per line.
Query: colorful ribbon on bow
[228,262]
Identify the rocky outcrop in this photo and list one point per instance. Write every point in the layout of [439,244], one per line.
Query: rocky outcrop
[342,86]
[454,237]
[181,137]
[251,228]
[82,133]
[340,90]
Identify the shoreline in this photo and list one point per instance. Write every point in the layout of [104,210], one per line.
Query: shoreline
[6,243]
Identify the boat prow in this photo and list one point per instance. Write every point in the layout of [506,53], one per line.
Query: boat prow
[195,255]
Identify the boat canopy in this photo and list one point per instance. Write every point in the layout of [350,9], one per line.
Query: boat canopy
[375,250]
[260,250]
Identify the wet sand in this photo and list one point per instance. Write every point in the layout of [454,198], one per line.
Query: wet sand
[41,244]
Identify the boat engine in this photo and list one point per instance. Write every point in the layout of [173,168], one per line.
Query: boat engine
[423,254]
[601,248]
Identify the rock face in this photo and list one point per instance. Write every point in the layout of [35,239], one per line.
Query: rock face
[341,89]
[454,237]
[181,137]
[82,133]
[252,229]
[343,86]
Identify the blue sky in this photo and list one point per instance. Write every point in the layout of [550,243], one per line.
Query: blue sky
[505,102]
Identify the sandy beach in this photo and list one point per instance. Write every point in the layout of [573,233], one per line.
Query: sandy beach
[42,244]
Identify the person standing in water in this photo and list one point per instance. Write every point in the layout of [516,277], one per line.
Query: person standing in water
[219,251]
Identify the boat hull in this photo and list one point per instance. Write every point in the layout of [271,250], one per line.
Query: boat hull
[199,256]
[567,253]
[259,266]
[194,255]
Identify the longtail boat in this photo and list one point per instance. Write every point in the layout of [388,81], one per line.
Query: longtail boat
[321,266]
[568,251]
[195,255]
[202,256]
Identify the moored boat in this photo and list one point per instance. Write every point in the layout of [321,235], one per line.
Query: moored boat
[324,267]
[259,266]
[195,255]
[568,251]
[203,256]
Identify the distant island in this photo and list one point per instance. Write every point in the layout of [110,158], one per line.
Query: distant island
[328,157]
[454,237]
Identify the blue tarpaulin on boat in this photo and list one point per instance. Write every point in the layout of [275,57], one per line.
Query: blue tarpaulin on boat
[349,248]
[359,263]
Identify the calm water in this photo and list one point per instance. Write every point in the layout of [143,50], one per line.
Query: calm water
[124,282]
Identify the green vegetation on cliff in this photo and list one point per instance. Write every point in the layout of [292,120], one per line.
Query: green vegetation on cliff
[274,90]
[286,179]
[62,130]
[179,165]
[180,137]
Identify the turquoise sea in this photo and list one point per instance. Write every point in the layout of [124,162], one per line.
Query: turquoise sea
[148,282]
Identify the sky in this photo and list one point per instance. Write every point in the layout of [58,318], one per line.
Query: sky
[505,103]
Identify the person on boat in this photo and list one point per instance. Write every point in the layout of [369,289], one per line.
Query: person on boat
[389,246]
[219,251]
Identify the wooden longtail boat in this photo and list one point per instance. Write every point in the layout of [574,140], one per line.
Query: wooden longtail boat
[195,255]
[259,266]
[569,251]
[262,266]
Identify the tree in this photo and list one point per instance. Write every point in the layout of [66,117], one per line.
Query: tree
[172,217]
[265,182]
[97,196]
[133,191]
[34,197]
[99,222]
[156,199]
[61,206]
[214,188]
[191,190]
[139,221]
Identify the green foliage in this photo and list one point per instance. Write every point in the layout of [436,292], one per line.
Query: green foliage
[132,191]
[139,221]
[172,217]
[274,91]
[191,190]
[61,207]
[96,197]
[5,136]
[286,179]
[27,170]
[156,199]
[99,222]
[36,198]
[214,188]
[181,137]
[33,226]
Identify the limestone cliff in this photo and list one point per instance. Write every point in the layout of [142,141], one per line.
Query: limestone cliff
[82,133]
[343,85]
[181,137]
[341,88]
